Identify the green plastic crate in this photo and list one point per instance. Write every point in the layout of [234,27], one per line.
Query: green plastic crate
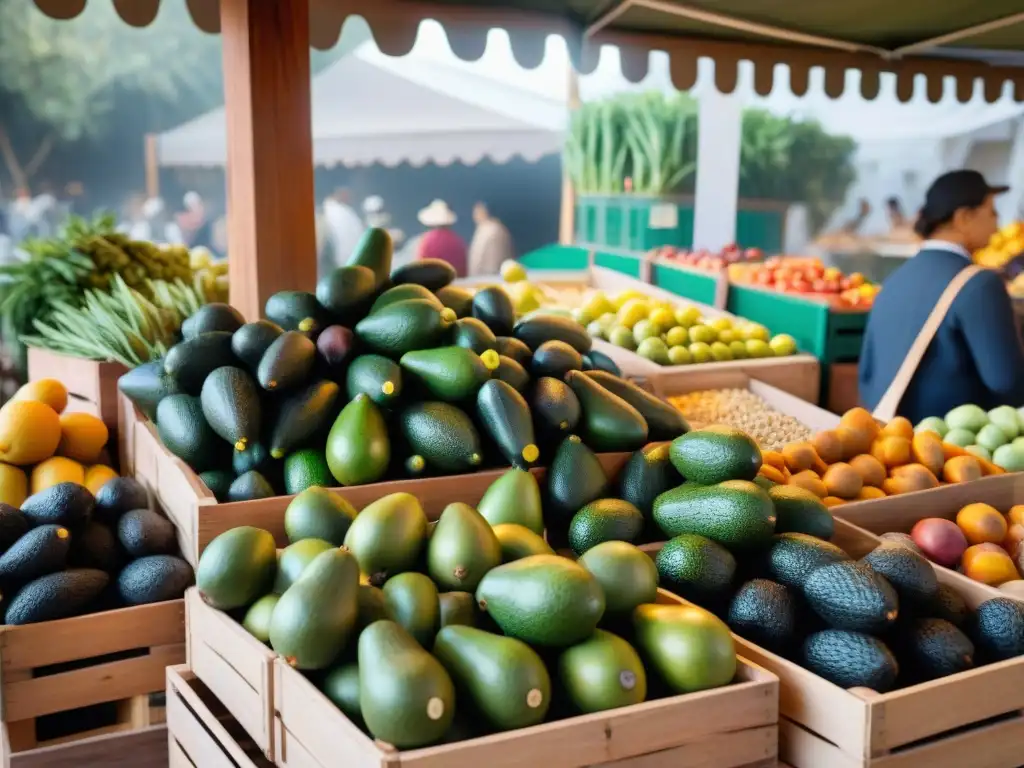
[832,337]
[621,221]
[561,257]
[688,284]
[627,264]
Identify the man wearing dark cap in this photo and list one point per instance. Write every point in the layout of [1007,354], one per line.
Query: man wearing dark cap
[975,355]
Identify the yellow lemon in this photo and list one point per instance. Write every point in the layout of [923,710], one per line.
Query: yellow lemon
[49,391]
[663,317]
[97,476]
[622,297]
[13,485]
[512,271]
[56,470]
[29,432]
[632,312]
[82,437]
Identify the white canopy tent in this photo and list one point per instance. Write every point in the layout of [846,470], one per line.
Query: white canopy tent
[427,106]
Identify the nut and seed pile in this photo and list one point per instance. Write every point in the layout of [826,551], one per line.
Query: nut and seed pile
[744,410]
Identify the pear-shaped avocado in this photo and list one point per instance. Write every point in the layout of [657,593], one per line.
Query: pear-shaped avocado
[231,406]
[316,615]
[647,474]
[575,479]
[505,415]
[689,648]
[358,449]
[250,486]
[189,362]
[603,672]
[237,567]
[376,376]
[296,311]
[543,600]
[252,340]
[473,334]
[146,385]
[372,606]
[462,548]
[317,513]
[504,678]
[626,574]
[609,422]
[664,421]
[341,686]
[513,373]
[514,498]
[347,292]
[457,608]
[493,306]
[287,362]
[404,326]
[555,407]
[457,299]
[257,618]
[411,600]
[403,293]
[406,696]
[450,373]
[302,415]
[374,251]
[518,542]
[388,536]
[443,435]
[511,347]
[294,559]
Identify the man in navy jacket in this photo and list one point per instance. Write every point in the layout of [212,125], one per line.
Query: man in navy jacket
[976,356]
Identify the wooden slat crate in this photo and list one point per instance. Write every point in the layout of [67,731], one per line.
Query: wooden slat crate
[974,719]
[198,518]
[91,385]
[57,666]
[201,732]
[292,722]
[672,385]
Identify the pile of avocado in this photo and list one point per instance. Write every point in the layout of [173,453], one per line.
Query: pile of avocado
[758,555]
[424,633]
[384,375]
[66,552]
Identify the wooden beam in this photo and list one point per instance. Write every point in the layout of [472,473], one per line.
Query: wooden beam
[567,219]
[271,237]
[152,166]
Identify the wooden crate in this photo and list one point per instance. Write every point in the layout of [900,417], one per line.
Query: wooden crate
[201,732]
[842,390]
[726,727]
[115,656]
[975,718]
[198,518]
[236,667]
[91,385]
[780,399]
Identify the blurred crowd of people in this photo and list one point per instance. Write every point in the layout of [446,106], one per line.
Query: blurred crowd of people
[338,226]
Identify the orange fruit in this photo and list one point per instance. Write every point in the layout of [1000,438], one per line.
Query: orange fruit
[899,427]
[961,469]
[891,450]
[861,419]
[809,481]
[870,469]
[982,524]
[993,567]
[1016,514]
[833,501]
[870,492]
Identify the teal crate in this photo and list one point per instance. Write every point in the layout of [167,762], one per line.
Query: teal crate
[622,221]
[561,257]
[627,264]
[686,283]
[831,337]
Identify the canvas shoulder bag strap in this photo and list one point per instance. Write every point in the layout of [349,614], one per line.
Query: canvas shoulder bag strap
[886,408]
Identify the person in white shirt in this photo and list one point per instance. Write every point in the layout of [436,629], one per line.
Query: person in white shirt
[344,229]
[491,244]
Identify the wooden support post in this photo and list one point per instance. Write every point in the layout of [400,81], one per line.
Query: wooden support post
[567,219]
[152,166]
[271,238]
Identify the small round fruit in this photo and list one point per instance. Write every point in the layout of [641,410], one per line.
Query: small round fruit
[607,320]
[702,333]
[687,316]
[721,324]
[654,349]
[632,312]
[700,352]
[758,348]
[679,355]
[739,350]
[982,523]
[757,332]
[783,345]
[721,352]
[622,337]
[512,271]
[645,329]
[941,540]
[662,317]
[727,336]
[595,329]
[677,336]
[990,566]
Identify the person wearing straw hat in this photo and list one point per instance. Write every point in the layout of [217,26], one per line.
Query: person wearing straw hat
[440,241]
[942,331]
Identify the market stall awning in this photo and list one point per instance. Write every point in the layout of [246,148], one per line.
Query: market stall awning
[436,109]
[963,38]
